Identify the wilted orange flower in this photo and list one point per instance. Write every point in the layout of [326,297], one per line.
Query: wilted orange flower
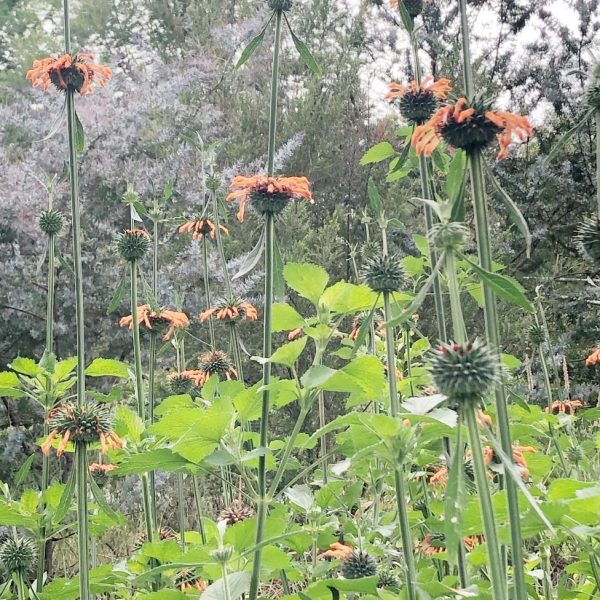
[148,318]
[448,122]
[292,187]
[432,544]
[201,227]
[295,334]
[439,479]
[101,468]
[78,72]
[567,407]
[519,459]
[337,551]
[593,358]
[439,88]
[196,376]
[473,540]
[188,581]
[231,309]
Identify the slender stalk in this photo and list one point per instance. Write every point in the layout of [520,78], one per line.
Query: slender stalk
[322,423]
[226,589]
[46,459]
[20,586]
[81,474]
[458,323]
[211,326]
[491,318]
[234,344]
[497,575]
[219,240]
[407,542]
[197,499]
[547,385]
[181,508]
[151,406]
[262,501]
[597,115]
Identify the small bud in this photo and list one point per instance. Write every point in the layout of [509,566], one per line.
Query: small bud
[359,565]
[222,555]
[448,236]
[280,5]
[213,183]
[536,335]
[51,222]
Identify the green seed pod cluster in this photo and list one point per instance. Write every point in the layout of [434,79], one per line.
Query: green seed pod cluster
[536,334]
[51,222]
[418,107]
[18,555]
[215,363]
[475,133]
[588,239]
[213,183]
[383,274]
[280,5]
[464,372]
[449,236]
[359,565]
[84,422]
[133,244]
[387,579]
[269,204]
[179,384]
[223,555]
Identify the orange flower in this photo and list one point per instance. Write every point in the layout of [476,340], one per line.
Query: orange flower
[101,469]
[439,88]
[519,458]
[337,551]
[290,187]
[188,581]
[196,376]
[201,227]
[295,334]
[147,318]
[432,544]
[483,420]
[567,407]
[231,309]
[78,72]
[448,123]
[593,358]
[439,479]
[473,540]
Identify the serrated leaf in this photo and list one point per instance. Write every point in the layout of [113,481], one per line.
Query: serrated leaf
[107,367]
[285,317]
[306,279]
[23,471]
[289,353]
[238,584]
[161,459]
[378,153]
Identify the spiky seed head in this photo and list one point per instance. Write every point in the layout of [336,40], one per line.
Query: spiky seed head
[418,107]
[213,183]
[370,250]
[587,239]
[359,565]
[387,579]
[592,97]
[51,222]
[179,384]
[575,454]
[133,244]
[476,133]
[413,7]
[215,363]
[269,204]
[449,236]
[18,555]
[536,334]
[85,422]
[223,555]
[280,5]
[464,372]
[72,76]
[383,274]
[235,513]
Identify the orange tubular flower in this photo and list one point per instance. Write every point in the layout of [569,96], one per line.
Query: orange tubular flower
[518,457]
[164,319]
[196,376]
[471,126]
[101,469]
[593,358]
[231,310]
[78,72]
[202,227]
[568,407]
[271,194]
[337,551]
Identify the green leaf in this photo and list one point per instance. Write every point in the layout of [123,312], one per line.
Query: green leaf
[238,584]
[407,20]
[252,259]
[456,175]
[26,366]
[345,298]
[504,287]
[79,135]
[117,296]
[289,353]
[454,503]
[307,279]
[253,46]
[568,135]
[378,153]
[107,367]
[23,471]
[66,499]
[114,516]
[128,424]
[365,329]
[301,496]
[11,516]
[305,53]
[374,197]
[513,210]
[161,459]
[285,317]
[278,280]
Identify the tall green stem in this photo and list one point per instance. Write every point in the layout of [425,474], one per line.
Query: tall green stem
[211,326]
[497,575]
[82,514]
[181,508]
[81,475]
[458,323]
[262,500]
[597,115]
[491,318]
[407,541]
[198,501]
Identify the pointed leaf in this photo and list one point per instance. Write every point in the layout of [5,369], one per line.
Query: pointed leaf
[252,46]
[253,258]
[278,280]
[79,135]
[568,135]
[378,153]
[307,279]
[288,354]
[285,317]
[114,516]
[117,296]
[238,584]
[374,197]
[305,53]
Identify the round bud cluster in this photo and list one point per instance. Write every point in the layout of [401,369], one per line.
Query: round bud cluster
[51,222]
[133,244]
[18,555]
[359,565]
[536,334]
[383,274]
[417,107]
[215,363]
[449,236]
[84,423]
[464,372]
[213,183]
